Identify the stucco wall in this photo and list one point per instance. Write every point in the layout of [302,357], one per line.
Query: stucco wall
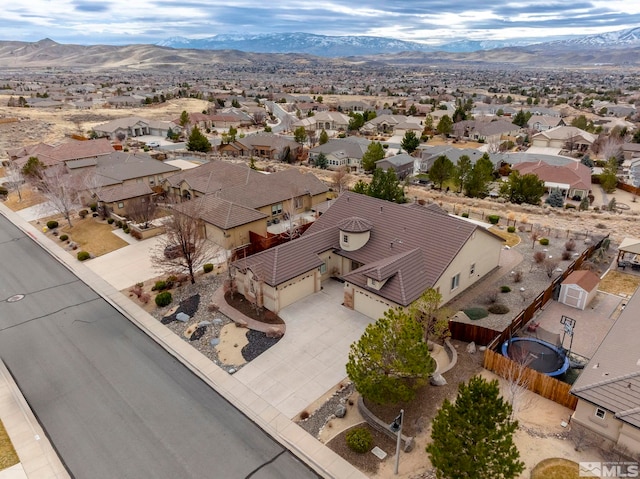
[585,414]
[369,304]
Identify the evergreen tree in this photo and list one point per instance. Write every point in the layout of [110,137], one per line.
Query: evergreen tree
[462,170]
[356,122]
[478,180]
[300,135]
[374,152]
[386,186]
[522,188]
[520,119]
[197,141]
[445,125]
[608,177]
[33,169]
[441,170]
[390,361]
[473,437]
[321,161]
[555,199]
[587,161]
[410,142]
[324,137]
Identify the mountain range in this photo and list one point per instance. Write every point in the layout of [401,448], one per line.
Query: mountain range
[342,46]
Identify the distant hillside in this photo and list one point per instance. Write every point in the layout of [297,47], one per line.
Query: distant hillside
[49,54]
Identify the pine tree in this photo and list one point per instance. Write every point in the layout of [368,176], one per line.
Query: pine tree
[473,437]
[197,141]
[374,152]
[324,137]
[410,142]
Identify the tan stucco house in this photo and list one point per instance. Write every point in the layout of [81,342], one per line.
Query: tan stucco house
[608,389]
[572,179]
[386,255]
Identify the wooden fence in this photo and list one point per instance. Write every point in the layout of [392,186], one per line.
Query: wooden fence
[539,383]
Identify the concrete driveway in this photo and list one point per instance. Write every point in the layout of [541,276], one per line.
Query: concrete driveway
[310,359]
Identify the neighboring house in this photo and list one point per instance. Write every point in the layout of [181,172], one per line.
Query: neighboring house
[239,199]
[385,124]
[262,145]
[131,127]
[355,106]
[386,254]
[573,179]
[564,137]
[492,131]
[579,289]
[117,198]
[631,171]
[544,122]
[431,153]
[402,164]
[328,121]
[342,152]
[70,150]
[608,388]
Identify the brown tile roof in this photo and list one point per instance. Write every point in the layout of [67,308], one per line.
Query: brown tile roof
[587,280]
[213,176]
[354,224]
[574,174]
[70,150]
[415,244]
[611,379]
[225,214]
[123,192]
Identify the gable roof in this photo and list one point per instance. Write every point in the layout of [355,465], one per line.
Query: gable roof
[586,279]
[222,213]
[611,379]
[122,192]
[67,151]
[566,133]
[405,241]
[351,147]
[574,174]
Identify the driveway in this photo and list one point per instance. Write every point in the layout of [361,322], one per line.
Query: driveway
[310,359]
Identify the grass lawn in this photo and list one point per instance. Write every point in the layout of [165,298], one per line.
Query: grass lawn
[8,456]
[616,282]
[510,239]
[93,236]
[29,198]
[555,468]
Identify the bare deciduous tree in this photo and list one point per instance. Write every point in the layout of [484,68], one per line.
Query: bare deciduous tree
[141,210]
[14,178]
[434,320]
[290,222]
[549,266]
[518,382]
[259,117]
[61,191]
[185,247]
[341,179]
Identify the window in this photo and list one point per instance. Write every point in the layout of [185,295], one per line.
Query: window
[323,268]
[345,238]
[600,413]
[298,202]
[455,282]
[120,205]
[472,270]
[276,209]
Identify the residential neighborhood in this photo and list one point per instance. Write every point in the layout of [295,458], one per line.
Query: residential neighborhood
[276,223]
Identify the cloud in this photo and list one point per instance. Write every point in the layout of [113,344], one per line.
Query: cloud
[432,21]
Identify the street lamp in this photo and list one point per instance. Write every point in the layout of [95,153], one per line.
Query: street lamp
[396,426]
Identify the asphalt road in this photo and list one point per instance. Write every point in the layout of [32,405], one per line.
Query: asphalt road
[113,402]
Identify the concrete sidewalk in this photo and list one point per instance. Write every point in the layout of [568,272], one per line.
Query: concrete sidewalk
[323,460]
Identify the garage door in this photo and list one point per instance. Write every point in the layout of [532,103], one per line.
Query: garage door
[296,291]
[572,297]
[368,305]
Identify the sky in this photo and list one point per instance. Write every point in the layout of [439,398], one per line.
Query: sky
[120,22]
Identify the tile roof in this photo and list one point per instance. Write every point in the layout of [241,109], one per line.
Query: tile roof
[574,174]
[404,240]
[565,133]
[122,192]
[121,166]
[224,214]
[611,379]
[67,151]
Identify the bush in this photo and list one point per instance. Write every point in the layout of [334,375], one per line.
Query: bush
[83,255]
[491,296]
[163,299]
[517,276]
[476,313]
[570,245]
[52,224]
[126,229]
[159,286]
[64,237]
[3,191]
[539,256]
[465,215]
[493,219]
[505,289]
[110,221]
[207,267]
[544,241]
[569,206]
[498,308]
[93,207]
[566,255]
[359,440]
[83,213]
[511,229]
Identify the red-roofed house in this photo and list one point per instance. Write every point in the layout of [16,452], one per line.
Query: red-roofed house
[573,179]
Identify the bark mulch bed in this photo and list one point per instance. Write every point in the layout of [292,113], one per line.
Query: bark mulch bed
[263,315]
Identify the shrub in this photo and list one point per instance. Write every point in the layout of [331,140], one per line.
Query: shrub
[137,290]
[64,237]
[110,221]
[144,297]
[126,229]
[53,224]
[465,215]
[491,296]
[3,191]
[93,207]
[521,228]
[498,308]
[163,299]
[505,289]
[83,255]
[476,313]
[83,213]
[570,245]
[159,286]
[493,219]
[544,241]
[517,276]
[207,267]
[359,440]
[566,255]
[304,415]
[539,256]
[569,206]
[511,229]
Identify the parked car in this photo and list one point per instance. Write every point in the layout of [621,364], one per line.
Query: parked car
[153,144]
[173,251]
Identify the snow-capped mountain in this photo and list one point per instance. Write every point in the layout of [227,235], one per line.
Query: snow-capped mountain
[620,39]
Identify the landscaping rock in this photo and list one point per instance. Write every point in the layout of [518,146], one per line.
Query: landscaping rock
[214,341]
[471,347]
[218,321]
[274,333]
[341,411]
[437,380]
[183,317]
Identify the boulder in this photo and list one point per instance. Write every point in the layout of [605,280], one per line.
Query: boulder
[341,411]
[437,380]
[214,341]
[471,347]
[274,333]
[183,317]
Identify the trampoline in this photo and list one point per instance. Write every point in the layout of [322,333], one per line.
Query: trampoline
[540,355]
